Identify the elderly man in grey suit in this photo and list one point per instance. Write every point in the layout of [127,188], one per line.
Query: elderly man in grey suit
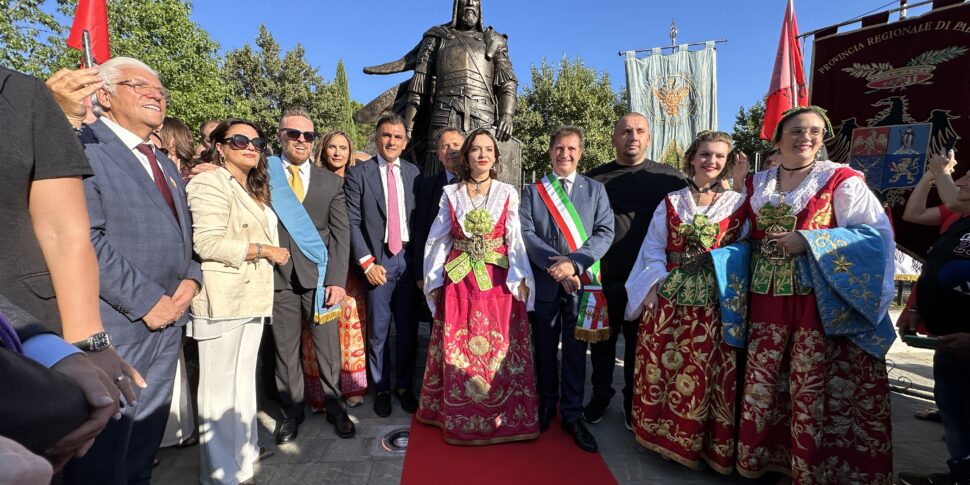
[567,225]
[142,234]
[322,194]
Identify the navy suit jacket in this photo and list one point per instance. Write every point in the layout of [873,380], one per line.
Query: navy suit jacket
[367,209]
[143,251]
[543,239]
[429,200]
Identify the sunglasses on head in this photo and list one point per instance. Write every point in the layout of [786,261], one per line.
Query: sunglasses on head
[240,142]
[292,134]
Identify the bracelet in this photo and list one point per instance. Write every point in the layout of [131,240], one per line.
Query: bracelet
[259,252]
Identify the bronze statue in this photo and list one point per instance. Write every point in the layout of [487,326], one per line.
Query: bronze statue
[463,79]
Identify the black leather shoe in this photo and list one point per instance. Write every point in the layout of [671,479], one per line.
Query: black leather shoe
[382,404]
[583,438]
[289,430]
[342,425]
[593,412]
[545,417]
[409,403]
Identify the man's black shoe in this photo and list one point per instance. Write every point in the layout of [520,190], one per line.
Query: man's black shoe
[583,438]
[545,417]
[289,430]
[342,425]
[409,403]
[593,412]
[382,404]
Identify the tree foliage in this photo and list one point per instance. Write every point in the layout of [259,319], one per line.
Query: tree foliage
[31,39]
[747,130]
[345,107]
[573,94]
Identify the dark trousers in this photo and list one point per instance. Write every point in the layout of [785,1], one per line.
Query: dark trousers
[123,453]
[552,322]
[293,308]
[398,298]
[603,354]
[951,376]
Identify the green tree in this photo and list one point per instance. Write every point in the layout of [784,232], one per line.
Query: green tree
[161,34]
[747,130]
[573,94]
[345,107]
[363,131]
[31,39]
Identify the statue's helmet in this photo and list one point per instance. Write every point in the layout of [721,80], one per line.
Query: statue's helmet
[456,11]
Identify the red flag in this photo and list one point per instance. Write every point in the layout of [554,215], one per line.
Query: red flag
[91,15]
[788,88]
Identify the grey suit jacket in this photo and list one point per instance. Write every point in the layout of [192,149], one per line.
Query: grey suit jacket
[327,207]
[543,239]
[368,211]
[143,251]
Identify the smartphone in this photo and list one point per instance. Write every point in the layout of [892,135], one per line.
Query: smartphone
[952,142]
[86,44]
[921,341]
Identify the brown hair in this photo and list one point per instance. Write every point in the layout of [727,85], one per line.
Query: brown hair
[320,150]
[464,169]
[799,110]
[258,178]
[181,136]
[708,136]
[568,130]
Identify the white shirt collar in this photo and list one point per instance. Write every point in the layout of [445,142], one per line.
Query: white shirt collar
[130,139]
[304,168]
[571,178]
[381,162]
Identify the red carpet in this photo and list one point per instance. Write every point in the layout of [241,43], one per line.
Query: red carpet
[550,458]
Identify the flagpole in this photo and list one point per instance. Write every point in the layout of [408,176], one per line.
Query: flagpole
[721,41]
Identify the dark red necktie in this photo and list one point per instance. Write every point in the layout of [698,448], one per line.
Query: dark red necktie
[159,177]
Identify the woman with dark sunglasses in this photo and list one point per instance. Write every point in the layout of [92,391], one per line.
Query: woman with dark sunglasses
[235,230]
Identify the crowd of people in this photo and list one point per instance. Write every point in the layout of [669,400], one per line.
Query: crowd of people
[754,307]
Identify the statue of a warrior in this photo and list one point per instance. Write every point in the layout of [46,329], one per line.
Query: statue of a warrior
[463,79]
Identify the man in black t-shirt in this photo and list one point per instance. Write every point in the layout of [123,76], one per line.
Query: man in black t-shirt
[635,186]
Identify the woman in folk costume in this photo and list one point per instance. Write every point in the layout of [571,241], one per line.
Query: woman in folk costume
[685,375]
[816,398]
[479,383]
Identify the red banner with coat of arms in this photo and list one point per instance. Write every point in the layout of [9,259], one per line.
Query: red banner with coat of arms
[897,92]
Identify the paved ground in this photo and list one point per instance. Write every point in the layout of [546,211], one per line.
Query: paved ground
[318,456]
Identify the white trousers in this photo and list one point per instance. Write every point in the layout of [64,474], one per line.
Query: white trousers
[227,405]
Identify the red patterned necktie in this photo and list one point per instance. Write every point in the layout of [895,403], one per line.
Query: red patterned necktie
[159,177]
[393,213]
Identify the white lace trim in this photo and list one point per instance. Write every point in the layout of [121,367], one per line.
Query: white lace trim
[498,194]
[764,186]
[686,208]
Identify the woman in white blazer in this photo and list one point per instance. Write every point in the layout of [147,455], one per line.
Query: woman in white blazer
[235,235]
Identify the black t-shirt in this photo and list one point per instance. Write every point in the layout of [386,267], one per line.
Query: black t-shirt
[943,289]
[634,192]
[38,144]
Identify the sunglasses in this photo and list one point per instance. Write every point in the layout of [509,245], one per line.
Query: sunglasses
[292,134]
[240,142]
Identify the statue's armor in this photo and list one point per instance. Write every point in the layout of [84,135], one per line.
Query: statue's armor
[463,80]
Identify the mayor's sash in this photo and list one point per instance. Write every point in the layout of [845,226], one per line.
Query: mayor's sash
[592,324]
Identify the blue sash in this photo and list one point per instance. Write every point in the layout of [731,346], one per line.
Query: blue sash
[304,232]
[731,270]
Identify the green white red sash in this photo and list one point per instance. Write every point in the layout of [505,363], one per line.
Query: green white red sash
[592,325]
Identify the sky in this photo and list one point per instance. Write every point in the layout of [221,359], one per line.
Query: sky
[370,32]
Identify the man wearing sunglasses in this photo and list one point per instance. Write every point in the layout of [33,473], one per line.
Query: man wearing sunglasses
[142,233]
[322,195]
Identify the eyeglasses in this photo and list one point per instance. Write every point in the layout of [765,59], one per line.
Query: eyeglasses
[812,132]
[240,142]
[292,134]
[145,89]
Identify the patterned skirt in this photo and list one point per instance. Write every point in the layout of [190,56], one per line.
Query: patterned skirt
[685,383]
[353,361]
[815,407]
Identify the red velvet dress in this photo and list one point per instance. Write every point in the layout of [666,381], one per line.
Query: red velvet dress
[814,407]
[685,379]
[479,382]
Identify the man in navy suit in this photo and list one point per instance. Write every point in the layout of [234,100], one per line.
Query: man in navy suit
[429,197]
[142,233]
[381,194]
[558,270]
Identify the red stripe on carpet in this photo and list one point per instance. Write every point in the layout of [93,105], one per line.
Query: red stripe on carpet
[553,457]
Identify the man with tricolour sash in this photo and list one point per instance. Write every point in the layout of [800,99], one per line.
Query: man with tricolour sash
[567,225]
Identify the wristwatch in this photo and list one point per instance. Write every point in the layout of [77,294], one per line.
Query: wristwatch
[95,343]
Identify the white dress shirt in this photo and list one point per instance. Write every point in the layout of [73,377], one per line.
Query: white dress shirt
[570,182]
[131,141]
[401,207]
[304,173]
